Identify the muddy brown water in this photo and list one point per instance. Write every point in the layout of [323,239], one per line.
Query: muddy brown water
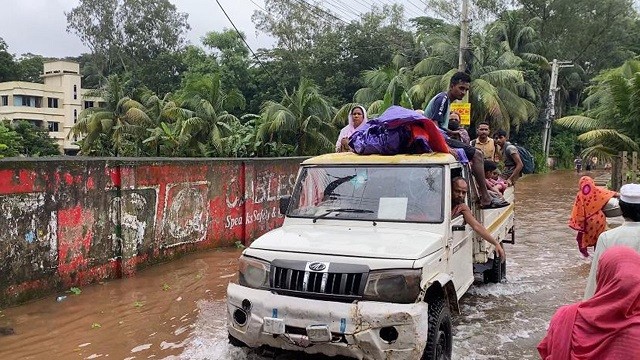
[177,311]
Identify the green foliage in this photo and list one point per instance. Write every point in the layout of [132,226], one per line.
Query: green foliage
[75,291]
[9,141]
[303,119]
[564,147]
[140,37]
[167,99]
[499,93]
[30,67]
[7,64]
[609,123]
[24,139]
[35,141]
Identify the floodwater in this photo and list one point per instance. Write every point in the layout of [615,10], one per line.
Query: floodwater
[177,311]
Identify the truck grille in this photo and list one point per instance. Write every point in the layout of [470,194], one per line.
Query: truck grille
[292,279]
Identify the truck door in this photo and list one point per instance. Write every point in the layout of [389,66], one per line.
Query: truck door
[460,246]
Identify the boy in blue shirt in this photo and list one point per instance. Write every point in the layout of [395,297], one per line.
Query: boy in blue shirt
[438,110]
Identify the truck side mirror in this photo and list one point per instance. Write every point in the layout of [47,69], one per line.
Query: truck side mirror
[284,204]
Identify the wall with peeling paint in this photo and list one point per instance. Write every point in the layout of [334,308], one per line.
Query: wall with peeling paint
[73,221]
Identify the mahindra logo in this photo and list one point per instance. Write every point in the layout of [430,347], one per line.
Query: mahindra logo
[317,266]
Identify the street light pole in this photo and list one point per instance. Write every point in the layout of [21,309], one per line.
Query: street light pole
[464,35]
[551,104]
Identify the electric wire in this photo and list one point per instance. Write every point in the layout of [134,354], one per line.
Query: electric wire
[311,6]
[346,7]
[247,45]
[259,7]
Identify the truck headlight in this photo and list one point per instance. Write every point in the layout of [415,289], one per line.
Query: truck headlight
[397,286]
[253,273]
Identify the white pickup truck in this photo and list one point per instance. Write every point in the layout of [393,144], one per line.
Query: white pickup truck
[368,263]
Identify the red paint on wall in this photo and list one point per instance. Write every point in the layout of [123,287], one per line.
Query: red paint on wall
[90,183]
[115,176]
[17,181]
[68,178]
[75,232]
[241,201]
[129,266]
[14,291]
[110,270]
[169,173]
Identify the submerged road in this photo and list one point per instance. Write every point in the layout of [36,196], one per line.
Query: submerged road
[177,311]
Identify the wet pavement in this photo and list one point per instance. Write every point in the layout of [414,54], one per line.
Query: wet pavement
[176,310]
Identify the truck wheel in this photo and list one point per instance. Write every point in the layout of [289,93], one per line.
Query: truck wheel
[497,272]
[235,342]
[439,336]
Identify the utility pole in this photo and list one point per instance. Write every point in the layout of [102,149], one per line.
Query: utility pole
[551,104]
[464,35]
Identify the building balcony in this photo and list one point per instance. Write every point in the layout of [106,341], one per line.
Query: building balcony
[30,111]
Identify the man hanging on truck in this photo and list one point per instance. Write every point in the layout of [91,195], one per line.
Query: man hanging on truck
[459,207]
[438,110]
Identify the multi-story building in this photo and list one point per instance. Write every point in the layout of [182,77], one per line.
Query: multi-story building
[54,105]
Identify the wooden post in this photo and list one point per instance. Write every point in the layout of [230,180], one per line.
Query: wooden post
[624,168]
[616,173]
[634,166]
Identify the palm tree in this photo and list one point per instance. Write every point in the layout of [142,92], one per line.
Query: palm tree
[517,40]
[386,86]
[210,107]
[610,122]
[499,93]
[117,128]
[302,118]
[161,111]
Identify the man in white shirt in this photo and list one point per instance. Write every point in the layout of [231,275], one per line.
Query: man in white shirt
[628,234]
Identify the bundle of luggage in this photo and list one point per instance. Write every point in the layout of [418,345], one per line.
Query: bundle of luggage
[398,131]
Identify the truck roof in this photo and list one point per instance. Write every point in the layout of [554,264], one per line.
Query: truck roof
[352,158]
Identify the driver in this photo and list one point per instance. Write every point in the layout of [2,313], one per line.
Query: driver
[459,207]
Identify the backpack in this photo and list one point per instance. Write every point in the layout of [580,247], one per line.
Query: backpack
[529,165]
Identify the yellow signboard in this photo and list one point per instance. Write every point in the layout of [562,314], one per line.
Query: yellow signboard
[464,110]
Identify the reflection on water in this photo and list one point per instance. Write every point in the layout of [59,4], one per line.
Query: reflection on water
[177,310]
[151,314]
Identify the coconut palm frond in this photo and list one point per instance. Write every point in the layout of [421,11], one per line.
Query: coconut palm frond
[578,122]
[613,139]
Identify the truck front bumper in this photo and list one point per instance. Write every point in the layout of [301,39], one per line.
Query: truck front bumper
[355,327]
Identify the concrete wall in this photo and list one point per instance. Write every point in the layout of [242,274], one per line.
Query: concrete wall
[74,221]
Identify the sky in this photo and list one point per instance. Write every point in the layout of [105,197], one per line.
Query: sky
[39,26]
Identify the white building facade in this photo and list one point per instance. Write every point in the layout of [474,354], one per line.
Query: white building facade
[54,105]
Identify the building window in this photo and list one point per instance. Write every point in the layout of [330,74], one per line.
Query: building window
[5,100]
[52,102]
[24,100]
[53,126]
[36,123]
[75,92]
[88,104]
[75,116]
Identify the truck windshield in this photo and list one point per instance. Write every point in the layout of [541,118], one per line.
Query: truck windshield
[378,193]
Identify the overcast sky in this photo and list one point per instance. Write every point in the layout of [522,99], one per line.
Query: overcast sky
[39,26]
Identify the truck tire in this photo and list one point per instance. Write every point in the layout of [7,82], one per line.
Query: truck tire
[235,342]
[439,336]
[497,272]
